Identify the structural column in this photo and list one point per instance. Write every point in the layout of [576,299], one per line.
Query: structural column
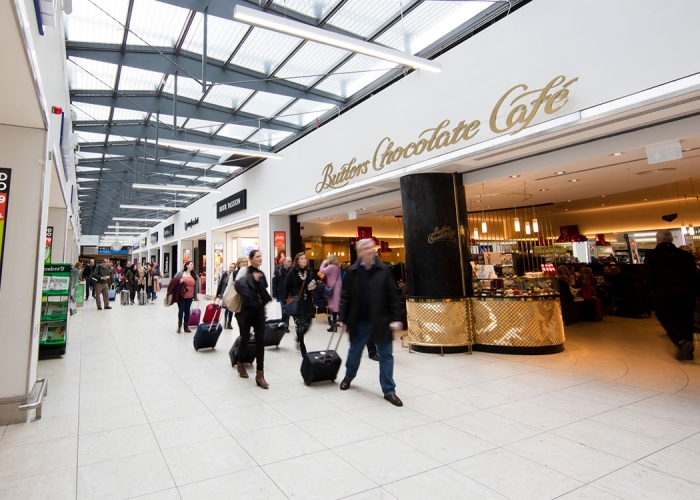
[437,261]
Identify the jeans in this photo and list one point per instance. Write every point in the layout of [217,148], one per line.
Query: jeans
[255,319]
[150,294]
[228,315]
[285,316]
[89,284]
[386,358]
[183,310]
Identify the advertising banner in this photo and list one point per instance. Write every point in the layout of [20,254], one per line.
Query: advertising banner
[166,263]
[4,202]
[280,241]
[48,245]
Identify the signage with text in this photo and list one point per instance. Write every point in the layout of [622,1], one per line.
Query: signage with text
[143,242]
[4,202]
[169,231]
[232,204]
[514,111]
[191,223]
[109,251]
[154,238]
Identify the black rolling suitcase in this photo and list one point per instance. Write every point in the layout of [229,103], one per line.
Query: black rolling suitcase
[322,365]
[274,331]
[207,335]
[248,356]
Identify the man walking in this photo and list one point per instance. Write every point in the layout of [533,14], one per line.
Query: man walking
[87,274]
[279,280]
[369,306]
[674,279]
[103,275]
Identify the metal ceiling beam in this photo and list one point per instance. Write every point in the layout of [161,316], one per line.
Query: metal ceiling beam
[131,150]
[151,61]
[133,166]
[150,103]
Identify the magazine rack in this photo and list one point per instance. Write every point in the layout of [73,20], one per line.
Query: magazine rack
[55,296]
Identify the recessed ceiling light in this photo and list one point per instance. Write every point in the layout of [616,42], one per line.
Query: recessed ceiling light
[561,172]
[544,189]
[566,210]
[569,201]
[477,201]
[514,176]
[645,199]
[602,205]
[603,196]
[617,154]
[574,180]
[488,206]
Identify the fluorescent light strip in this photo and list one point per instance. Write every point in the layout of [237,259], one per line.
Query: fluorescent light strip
[133,219]
[198,146]
[161,187]
[154,207]
[275,23]
[129,227]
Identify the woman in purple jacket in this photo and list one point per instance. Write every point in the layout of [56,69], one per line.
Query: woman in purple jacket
[331,269]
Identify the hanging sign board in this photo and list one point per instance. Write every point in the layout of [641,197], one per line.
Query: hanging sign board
[4,201]
[232,204]
[169,231]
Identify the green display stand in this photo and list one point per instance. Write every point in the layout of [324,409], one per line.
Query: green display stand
[80,295]
[55,303]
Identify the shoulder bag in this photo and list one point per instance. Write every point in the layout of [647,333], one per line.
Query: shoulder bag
[292,305]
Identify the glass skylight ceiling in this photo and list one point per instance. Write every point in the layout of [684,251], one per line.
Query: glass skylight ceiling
[264,89]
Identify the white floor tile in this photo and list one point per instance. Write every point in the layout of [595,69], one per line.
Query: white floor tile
[493,428]
[305,408]
[171,410]
[251,484]
[443,483]
[389,418]
[319,476]
[534,415]
[666,431]
[124,478]
[443,442]
[229,399]
[108,420]
[40,430]
[250,418]
[692,443]
[38,458]
[339,430]
[120,443]
[107,400]
[476,396]
[438,407]
[676,461]
[588,492]
[637,482]
[573,459]
[278,443]
[58,485]
[206,459]
[373,494]
[188,430]
[377,459]
[515,477]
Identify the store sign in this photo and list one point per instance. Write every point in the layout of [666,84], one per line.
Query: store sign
[166,263]
[154,238]
[48,245]
[234,203]
[109,251]
[513,112]
[364,232]
[4,202]
[137,245]
[169,231]
[191,223]
[280,244]
[143,242]
[445,233]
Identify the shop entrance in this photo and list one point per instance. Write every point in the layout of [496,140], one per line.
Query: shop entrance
[231,242]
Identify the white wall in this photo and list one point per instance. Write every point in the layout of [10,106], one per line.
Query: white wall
[614,48]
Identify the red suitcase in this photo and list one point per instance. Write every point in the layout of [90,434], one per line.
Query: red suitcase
[212,313]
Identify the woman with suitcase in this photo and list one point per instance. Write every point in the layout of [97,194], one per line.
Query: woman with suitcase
[252,287]
[188,283]
[301,282]
[331,268]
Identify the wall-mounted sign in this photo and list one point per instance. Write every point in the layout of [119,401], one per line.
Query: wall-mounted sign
[280,241]
[364,232]
[143,242]
[154,238]
[153,259]
[232,204]
[109,251]
[444,233]
[137,245]
[166,263]
[218,259]
[4,202]
[191,223]
[186,256]
[48,245]
[169,231]
[514,111]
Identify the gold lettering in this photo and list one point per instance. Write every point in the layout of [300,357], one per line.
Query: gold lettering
[420,147]
[435,131]
[443,140]
[383,156]
[474,128]
[328,179]
[398,152]
[411,146]
[456,132]
[364,167]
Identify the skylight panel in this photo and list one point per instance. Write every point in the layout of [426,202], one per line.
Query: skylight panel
[364,17]
[304,112]
[128,114]
[356,74]
[88,155]
[156,23]
[167,120]
[80,168]
[227,96]
[87,74]
[264,50]
[235,131]
[89,24]
[225,169]
[268,138]
[223,36]
[90,137]
[311,62]
[90,112]
[265,104]
[186,87]
[139,79]
[312,8]
[203,126]
[429,22]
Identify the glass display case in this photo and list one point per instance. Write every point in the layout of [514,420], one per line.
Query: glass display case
[516,287]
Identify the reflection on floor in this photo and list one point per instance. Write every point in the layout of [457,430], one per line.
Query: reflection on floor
[134,412]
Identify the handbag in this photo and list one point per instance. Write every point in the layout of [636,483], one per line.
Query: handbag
[273,310]
[292,305]
[168,300]
[231,299]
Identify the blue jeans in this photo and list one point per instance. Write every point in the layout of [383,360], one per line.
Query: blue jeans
[285,316]
[386,358]
[150,294]
[183,310]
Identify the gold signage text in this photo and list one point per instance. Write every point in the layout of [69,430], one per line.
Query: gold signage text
[445,233]
[347,172]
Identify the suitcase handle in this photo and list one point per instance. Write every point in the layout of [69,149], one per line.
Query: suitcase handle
[330,340]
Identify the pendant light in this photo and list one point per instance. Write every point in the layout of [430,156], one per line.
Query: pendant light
[684,230]
[516,221]
[527,227]
[476,234]
[484,227]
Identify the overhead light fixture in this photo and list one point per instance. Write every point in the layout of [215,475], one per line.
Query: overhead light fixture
[561,172]
[276,23]
[574,180]
[544,189]
[133,219]
[128,227]
[184,189]
[223,150]
[527,228]
[517,224]
[484,228]
[476,234]
[514,176]
[617,154]
[154,207]
[115,233]
[535,226]
[684,230]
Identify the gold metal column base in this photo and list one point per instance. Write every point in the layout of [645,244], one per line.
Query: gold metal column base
[440,323]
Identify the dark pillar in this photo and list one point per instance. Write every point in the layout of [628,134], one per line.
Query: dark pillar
[295,244]
[436,236]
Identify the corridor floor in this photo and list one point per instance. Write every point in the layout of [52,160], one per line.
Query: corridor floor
[134,412]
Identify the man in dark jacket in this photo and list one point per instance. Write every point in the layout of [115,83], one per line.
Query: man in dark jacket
[369,306]
[87,274]
[674,279]
[279,280]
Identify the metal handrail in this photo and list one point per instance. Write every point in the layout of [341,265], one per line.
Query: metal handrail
[43,390]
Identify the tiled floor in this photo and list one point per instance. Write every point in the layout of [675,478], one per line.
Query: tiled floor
[134,412]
